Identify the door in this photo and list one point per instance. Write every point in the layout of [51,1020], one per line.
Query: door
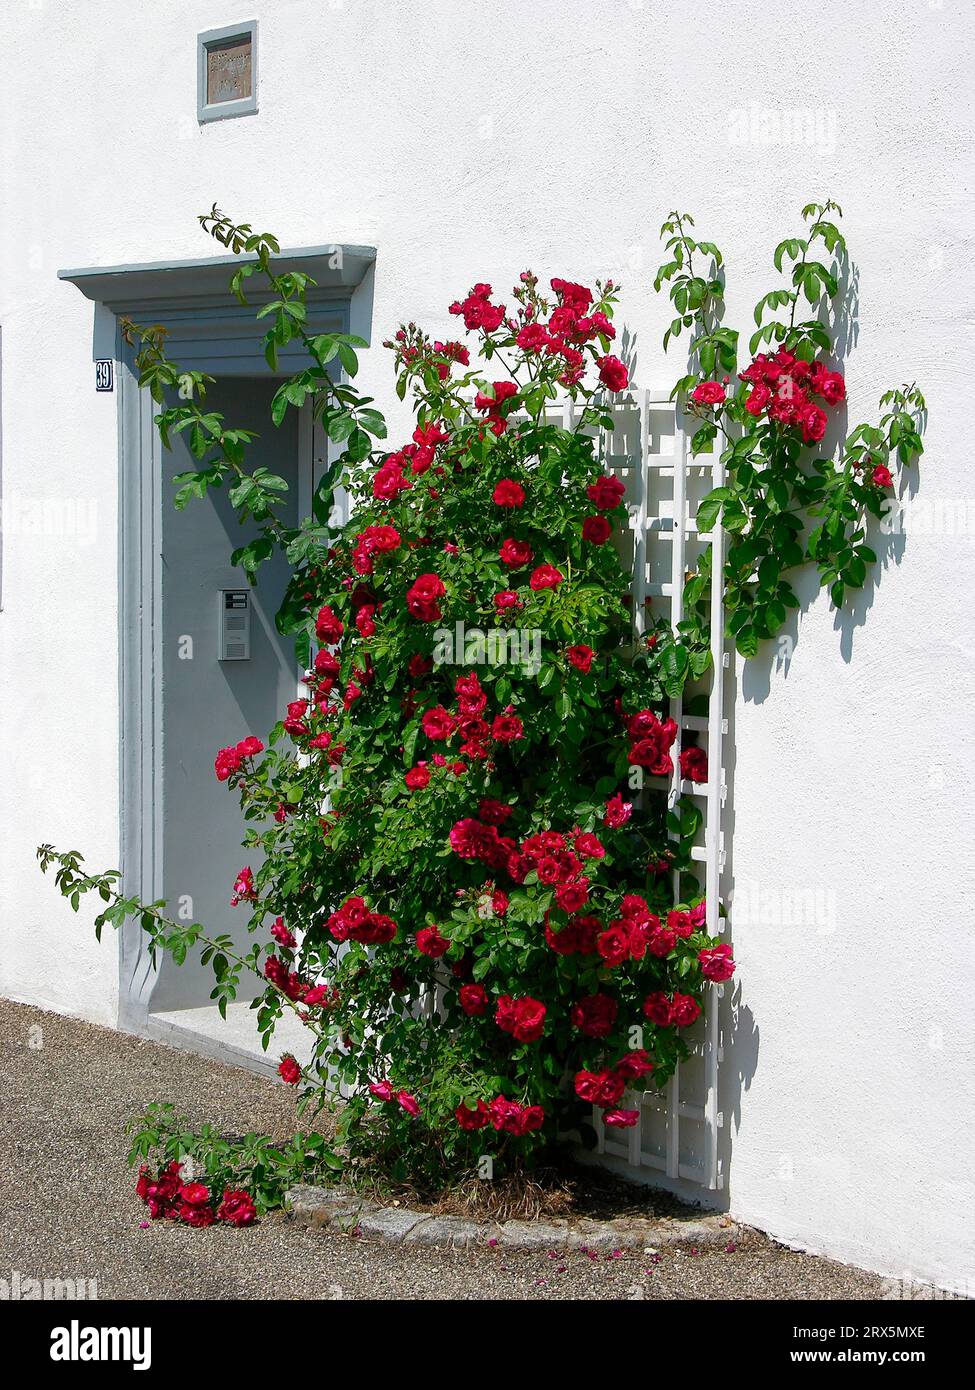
[207,703]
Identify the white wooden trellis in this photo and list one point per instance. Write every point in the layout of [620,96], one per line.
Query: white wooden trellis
[677,1132]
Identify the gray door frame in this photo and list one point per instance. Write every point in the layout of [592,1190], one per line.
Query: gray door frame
[211,332]
[140,563]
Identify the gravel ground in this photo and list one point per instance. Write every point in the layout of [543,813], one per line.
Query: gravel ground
[68,1209]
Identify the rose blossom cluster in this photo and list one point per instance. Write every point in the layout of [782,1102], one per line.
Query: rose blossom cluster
[782,388]
[605,1088]
[355,921]
[415,350]
[386,1091]
[169,1198]
[399,469]
[557,860]
[650,742]
[566,332]
[466,722]
[506,1116]
[291,984]
[230,760]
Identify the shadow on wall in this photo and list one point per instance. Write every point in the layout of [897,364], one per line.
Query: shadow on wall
[739,1028]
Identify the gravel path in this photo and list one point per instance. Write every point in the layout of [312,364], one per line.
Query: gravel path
[68,1210]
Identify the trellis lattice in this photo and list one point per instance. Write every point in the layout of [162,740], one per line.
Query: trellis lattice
[678,1130]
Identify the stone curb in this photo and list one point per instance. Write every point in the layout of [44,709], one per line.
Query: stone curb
[340,1210]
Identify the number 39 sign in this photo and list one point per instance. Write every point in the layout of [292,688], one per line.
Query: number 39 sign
[104,374]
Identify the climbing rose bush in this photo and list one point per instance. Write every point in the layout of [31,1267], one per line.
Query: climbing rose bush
[462,861]
[458,888]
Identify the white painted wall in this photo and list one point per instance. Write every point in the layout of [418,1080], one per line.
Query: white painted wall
[467,141]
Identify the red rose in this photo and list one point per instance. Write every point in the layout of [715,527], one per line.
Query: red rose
[328,628]
[684,1010]
[694,764]
[880,477]
[596,530]
[473,1000]
[635,908]
[829,385]
[422,598]
[509,1116]
[588,846]
[656,1007]
[758,399]
[419,665]
[546,577]
[472,1119]
[612,373]
[618,812]
[417,778]
[533,337]
[326,995]
[594,1015]
[195,1193]
[572,296]
[680,924]
[225,763]
[506,599]
[477,310]
[281,934]
[606,493]
[580,656]
[388,482]
[200,1216]
[438,724]
[661,941]
[523,1018]
[289,1070]
[652,741]
[408,1102]
[506,728]
[633,1065]
[813,423]
[429,942]
[515,554]
[708,393]
[621,1119]
[614,945]
[603,1088]
[717,963]
[508,494]
[572,897]
[237,1208]
[382,1090]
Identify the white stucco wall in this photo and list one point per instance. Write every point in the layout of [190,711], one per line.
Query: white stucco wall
[467,141]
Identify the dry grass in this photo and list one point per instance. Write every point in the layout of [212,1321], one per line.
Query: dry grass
[567,1192]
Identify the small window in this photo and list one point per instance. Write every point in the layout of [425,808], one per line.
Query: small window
[227,72]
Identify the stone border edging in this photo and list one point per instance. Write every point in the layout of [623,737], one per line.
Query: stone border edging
[341,1210]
